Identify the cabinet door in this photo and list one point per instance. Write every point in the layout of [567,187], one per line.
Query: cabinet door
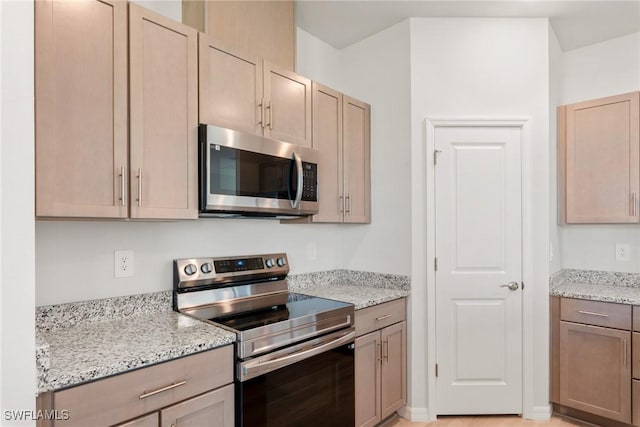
[230,87]
[357,161]
[80,108]
[264,28]
[327,139]
[595,370]
[394,368]
[213,409]
[150,420]
[368,356]
[635,392]
[602,158]
[288,105]
[164,116]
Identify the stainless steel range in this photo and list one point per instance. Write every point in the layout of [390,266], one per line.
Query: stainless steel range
[294,352]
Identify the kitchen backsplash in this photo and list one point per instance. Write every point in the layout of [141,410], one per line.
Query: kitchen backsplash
[596,277]
[350,277]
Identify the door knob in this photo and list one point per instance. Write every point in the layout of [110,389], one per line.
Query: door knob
[513,286]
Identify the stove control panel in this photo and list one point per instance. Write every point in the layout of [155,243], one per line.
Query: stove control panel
[203,271]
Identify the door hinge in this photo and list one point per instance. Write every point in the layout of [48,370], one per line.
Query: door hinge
[436,370]
[435,264]
[435,156]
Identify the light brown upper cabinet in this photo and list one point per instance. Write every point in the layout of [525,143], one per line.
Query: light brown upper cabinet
[599,157]
[357,160]
[341,135]
[81,108]
[163,93]
[243,92]
[87,163]
[263,28]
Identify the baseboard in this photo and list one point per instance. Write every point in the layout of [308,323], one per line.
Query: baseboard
[415,414]
[539,413]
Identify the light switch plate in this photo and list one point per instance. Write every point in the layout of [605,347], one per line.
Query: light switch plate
[623,252]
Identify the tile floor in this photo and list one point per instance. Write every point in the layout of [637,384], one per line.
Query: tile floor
[484,421]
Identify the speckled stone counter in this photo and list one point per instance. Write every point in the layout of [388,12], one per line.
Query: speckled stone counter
[81,342]
[607,286]
[363,289]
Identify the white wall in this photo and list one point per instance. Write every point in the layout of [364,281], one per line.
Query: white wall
[74,260]
[318,60]
[485,67]
[376,70]
[17,282]
[608,68]
[555,96]
[169,8]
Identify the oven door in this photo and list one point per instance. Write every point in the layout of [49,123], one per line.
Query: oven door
[244,173]
[310,384]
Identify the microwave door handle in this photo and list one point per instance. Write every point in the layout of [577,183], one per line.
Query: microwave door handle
[296,201]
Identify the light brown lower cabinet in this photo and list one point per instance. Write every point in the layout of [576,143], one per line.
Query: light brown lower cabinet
[213,409]
[195,390]
[592,360]
[595,370]
[380,366]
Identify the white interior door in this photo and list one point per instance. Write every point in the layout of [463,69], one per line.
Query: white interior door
[478,215]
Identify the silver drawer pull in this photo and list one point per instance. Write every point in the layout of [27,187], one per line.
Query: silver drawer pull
[591,313]
[160,390]
[386,316]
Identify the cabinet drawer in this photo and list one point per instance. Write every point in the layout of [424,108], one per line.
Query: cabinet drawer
[596,313]
[636,319]
[378,316]
[121,397]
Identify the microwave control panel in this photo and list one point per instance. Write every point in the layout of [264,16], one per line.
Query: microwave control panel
[309,182]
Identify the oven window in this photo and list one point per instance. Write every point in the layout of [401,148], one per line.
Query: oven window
[318,391]
[236,172]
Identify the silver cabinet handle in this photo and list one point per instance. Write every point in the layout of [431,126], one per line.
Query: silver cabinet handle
[386,316]
[513,286]
[160,390]
[270,115]
[122,189]
[295,202]
[139,199]
[591,313]
[385,346]
[341,204]
[261,106]
[348,203]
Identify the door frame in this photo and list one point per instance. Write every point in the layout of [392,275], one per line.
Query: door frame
[524,124]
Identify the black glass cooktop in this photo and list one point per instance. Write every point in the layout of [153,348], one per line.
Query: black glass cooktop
[287,307]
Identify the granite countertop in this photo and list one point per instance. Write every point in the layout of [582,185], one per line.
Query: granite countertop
[607,286]
[362,289]
[89,340]
[72,348]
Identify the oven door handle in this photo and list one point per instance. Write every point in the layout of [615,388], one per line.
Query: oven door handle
[268,362]
[295,202]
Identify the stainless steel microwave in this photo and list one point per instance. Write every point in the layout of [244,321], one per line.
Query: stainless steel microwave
[245,175]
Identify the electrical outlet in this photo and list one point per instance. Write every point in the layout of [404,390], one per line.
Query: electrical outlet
[123,263]
[623,252]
